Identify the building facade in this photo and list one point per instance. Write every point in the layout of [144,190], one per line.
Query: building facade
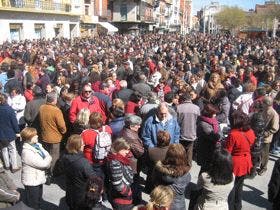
[132,16]
[35,19]
[207,21]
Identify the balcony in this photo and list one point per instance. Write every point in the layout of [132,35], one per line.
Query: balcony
[36,6]
[149,19]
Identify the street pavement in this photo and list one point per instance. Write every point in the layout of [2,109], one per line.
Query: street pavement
[254,192]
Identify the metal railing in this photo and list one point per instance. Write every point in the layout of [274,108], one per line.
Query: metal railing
[35,4]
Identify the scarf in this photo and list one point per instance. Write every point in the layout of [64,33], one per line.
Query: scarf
[38,149]
[212,121]
[118,157]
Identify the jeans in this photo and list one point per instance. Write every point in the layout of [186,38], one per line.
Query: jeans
[9,154]
[235,196]
[34,196]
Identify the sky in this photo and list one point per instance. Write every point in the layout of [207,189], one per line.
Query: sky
[244,4]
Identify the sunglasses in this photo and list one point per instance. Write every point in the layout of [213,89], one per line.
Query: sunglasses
[87,91]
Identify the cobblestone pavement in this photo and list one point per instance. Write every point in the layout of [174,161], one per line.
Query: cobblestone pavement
[254,192]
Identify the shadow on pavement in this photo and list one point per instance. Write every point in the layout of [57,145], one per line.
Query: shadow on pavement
[256,198]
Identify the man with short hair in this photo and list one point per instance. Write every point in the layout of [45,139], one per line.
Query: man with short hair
[142,87]
[52,129]
[187,118]
[85,100]
[162,120]
[124,93]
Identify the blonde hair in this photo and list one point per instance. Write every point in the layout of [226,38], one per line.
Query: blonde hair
[161,196]
[83,116]
[119,144]
[74,144]
[28,133]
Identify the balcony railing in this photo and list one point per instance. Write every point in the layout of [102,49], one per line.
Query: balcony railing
[34,6]
[147,19]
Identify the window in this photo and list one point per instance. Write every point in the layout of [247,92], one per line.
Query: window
[86,9]
[123,12]
[15,31]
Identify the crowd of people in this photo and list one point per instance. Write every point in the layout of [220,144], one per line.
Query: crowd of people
[102,110]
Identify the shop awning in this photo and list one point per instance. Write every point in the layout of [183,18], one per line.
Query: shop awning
[109,27]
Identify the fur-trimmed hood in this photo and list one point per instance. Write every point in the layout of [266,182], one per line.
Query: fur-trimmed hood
[168,170]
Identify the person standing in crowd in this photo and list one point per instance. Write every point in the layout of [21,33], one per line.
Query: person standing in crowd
[208,136]
[161,120]
[173,171]
[53,127]
[271,119]
[216,183]
[213,85]
[8,130]
[35,160]
[188,114]
[120,175]
[117,112]
[31,111]
[142,87]
[89,137]
[77,170]
[124,93]
[274,186]
[238,144]
[17,102]
[130,134]
[156,154]
[245,100]
[85,100]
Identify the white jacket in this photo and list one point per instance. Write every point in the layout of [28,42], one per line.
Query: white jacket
[33,165]
[18,103]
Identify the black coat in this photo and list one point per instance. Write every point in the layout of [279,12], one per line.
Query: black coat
[77,170]
[123,94]
[274,186]
[164,175]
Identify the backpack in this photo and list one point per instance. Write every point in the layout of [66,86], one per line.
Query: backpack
[102,145]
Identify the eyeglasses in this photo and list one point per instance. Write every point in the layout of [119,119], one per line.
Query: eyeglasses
[87,91]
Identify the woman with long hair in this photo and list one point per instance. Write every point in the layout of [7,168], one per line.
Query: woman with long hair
[173,171]
[238,144]
[216,183]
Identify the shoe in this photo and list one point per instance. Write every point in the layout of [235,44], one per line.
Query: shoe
[262,172]
[15,170]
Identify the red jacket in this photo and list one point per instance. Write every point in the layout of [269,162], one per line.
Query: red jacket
[89,139]
[79,103]
[166,89]
[238,146]
[28,94]
[131,108]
